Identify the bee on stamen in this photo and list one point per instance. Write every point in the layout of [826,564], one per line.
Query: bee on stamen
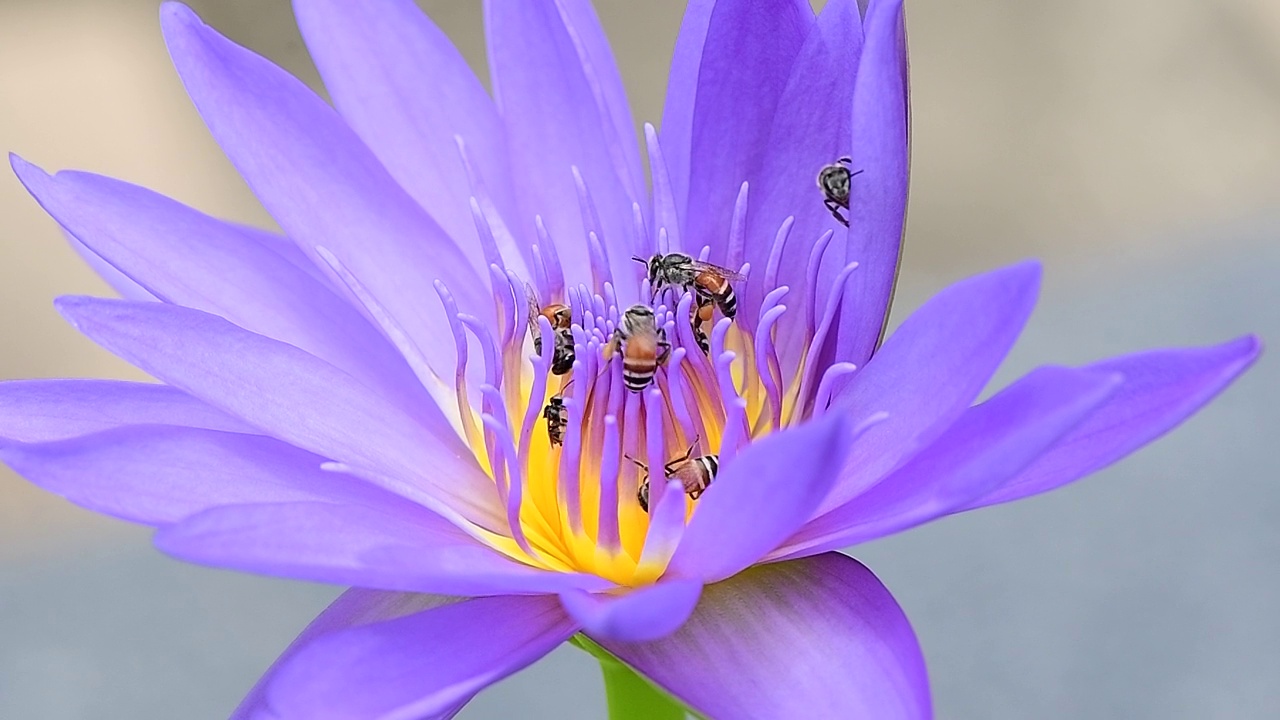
[643,346]
[695,474]
[557,416]
[711,283]
[833,180]
[561,318]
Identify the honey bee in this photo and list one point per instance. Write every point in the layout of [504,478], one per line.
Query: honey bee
[709,282]
[643,346]
[557,416]
[834,179]
[700,319]
[695,474]
[561,318]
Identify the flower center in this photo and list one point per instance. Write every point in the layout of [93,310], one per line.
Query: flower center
[602,421]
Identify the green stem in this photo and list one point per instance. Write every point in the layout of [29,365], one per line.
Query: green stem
[630,695]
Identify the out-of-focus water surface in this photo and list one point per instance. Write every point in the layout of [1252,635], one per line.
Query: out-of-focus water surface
[1135,146]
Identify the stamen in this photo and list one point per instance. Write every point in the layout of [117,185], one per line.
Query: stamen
[666,527]
[607,537]
[551,259]
[811,279]
[820,337]
[600,271]
[571,453]
[684,412]
[767,357]
[664,241]
[515,496]
[737,230]
[538,396]
[643,243]
[487,243]
[655,450]
[664,201]
[508,250]
[492,366]
[508,312]
[775,252]
[460,373]
[827,385]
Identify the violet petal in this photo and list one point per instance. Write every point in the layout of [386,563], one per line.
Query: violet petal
[637,615]
[814,638]
[989,444]
[35,411]
[418,665]
[276,130]
[932,368]
[291,395]
[878,197]
[760,499]
[1162,388]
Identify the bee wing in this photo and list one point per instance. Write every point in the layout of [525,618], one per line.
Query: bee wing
[726,273]
[535,307]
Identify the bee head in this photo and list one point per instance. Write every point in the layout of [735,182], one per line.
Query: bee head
[651,265]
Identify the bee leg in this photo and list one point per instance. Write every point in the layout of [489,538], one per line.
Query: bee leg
[664,351]
[834,207]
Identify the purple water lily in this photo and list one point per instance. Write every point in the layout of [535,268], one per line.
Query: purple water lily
[360,401]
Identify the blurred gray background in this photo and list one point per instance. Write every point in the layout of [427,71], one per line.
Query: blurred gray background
[1132,144]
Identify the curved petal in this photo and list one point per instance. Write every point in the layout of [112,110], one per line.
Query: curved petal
[878,197]
[353,608]
[638,615]
[36,411]
[682,96]
[124,287]
[157,474]
[320,183]
[814,638]
[989,444]
[290,395]
[932,368]
[555,103]
[390,546]
[406,90]
[809,130]
[187,258]
[745,64]
[1161,389]
[759,499]
[418,665]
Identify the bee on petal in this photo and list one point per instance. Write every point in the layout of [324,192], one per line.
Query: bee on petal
[834,181]
[557,416]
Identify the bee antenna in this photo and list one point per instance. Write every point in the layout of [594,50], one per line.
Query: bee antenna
[639,464]
[639,259]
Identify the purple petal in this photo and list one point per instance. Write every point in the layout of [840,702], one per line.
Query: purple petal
[640,615]
[320,183]
[354,608]
[559,110]
[419,665]
[1161,389]
[989,444]
[878,197]
[187,258]
[390,546]
[812,638]
[932,368]
[746,61]
[293,396]
[760,499]
[34,411]
[124,287]
[157,474]
[682,95]
[405,89]
[809,130]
